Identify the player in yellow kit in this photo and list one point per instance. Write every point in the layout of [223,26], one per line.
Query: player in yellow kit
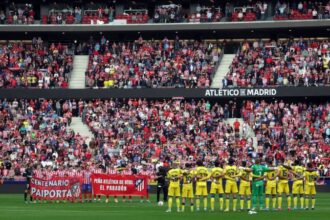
[216,185]
[298,185]
[283,184]
[202,175]
[231,172]
[174,176]
[271,187]
[244,186]
[310,178]
[188,176]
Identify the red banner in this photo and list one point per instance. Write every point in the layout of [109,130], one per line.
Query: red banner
[120,185]
[56,188]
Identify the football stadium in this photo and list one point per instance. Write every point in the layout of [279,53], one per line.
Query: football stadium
[165,109]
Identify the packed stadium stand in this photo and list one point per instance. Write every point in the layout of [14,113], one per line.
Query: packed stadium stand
[130,83]
[152,64]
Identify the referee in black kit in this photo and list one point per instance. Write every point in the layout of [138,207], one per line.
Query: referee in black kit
[28,174]
[161,183]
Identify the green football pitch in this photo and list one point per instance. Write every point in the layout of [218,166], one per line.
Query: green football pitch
[13,207]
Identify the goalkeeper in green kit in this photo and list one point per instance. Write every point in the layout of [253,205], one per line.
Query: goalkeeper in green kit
[258,189]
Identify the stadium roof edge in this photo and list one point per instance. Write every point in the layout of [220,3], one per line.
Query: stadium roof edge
[168,27]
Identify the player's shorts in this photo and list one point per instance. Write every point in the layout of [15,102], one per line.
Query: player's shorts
[298,187]
[201,190]
[244,189]
[87,188]
[283,187]
[310,190]
[216,188]
[187,191]
[231,187]
[27,186]
[174,191]
[270,188]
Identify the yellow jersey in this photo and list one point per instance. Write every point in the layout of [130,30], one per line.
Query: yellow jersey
[174,175]
[299,171]
[244,176]
[230,173]
[188,176]
[216,174]
[310,177]
[202,175]
[271,176]
[283,173]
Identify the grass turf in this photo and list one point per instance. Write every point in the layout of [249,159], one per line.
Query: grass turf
[12,207]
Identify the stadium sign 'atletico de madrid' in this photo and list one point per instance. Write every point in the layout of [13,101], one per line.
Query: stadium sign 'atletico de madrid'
[119,185]
[240,92]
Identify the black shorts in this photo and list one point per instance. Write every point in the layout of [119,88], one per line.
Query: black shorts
[27,186]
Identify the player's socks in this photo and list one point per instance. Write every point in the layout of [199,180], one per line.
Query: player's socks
[279,202]
[295,202]
[205,203]
[221,203]
[227,204]
[267,202]
[177,203]
[192,207]
[241,201]
[289,201]
[25,196]
[254,201]
[313,203]
[301,202]
[212,203]
[234,204]
[170,202]
[249,204]
[198,204]
[306,203]
[274,203]
[183,207]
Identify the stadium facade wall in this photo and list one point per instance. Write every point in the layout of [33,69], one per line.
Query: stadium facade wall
[169,27]
[280,92]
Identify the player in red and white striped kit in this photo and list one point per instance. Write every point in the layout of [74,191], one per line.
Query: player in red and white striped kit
[144,171]
[125,171]
[80,176]
[71,173]
[97,170]
[87,186]
[112,171]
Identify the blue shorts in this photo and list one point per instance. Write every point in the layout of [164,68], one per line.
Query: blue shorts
[87,188]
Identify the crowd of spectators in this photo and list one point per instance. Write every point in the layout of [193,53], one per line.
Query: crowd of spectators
[150,63]
[281,63]
[171,13]
[302,10]
[246,11]
[97,13]
[136,132]
[36,131]
[35,64]
[206,14]
[296,129]
[18,14]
